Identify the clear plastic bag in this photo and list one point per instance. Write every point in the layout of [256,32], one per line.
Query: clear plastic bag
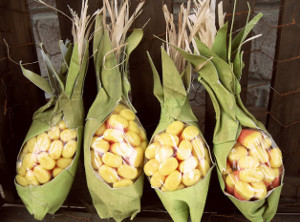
[46,155]
[254,166]
[177,158]
[117,148]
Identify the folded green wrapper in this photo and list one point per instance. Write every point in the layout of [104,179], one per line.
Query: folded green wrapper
[113,88]
[221,80]
[173,97]
[66,103]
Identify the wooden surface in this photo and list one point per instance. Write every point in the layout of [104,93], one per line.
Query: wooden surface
[19,98]
[284,109]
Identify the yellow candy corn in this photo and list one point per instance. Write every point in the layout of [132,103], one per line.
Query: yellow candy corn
[53,133]
[164,153]
[133,127]
[119,108]
[69,149]
[157,180]
[111,160]
[168,166]
[62,125]
[122,149]
[43,142]
[42,175]
[251,175]
[275,157]
[127,172]
[68,134]
[185,150]
[260,190]
[46,161]
[127,114]
[56,171]
[113,135]
[175,128]
[190,133]
[32,145]
[100,130]
[237,152]
[31,179]
[248,162]
[204,166]
[172,181]
[63,162]
[191,177]
[117,122]
[108,174]
[133,138]
[188,165]
[151,167]
[21,180]
[122,183]
[151,150]
[167,139]
[95,160]
[56,148]
[100,145]
[138,157]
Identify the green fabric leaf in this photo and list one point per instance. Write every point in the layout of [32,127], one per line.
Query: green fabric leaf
[157,90]
[231,115]
[220,44]
[240,38]
[132,42]
[73,72]
[54,77]
[186,77]
[38,80]
[97,48]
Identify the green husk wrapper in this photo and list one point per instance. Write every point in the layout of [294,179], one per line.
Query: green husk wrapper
[221,82]
[113,88]
[66,105]
[173,97]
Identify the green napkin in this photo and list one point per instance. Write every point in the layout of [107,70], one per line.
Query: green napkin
[173,97]
[65,103]
[113,88]
[220,77]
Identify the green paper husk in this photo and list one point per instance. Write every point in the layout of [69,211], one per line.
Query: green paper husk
[48,198]
[220,79]
[173,97]
[113,88]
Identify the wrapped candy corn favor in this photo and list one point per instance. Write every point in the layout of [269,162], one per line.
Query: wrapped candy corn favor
[47,162]
[249,163]
[114,139]
[178,163]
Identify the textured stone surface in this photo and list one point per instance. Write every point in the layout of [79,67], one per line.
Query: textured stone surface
[33,5]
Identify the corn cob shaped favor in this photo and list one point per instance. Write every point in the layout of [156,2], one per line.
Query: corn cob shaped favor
[47,162]
[249,163]
[177,161]
[114,139]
